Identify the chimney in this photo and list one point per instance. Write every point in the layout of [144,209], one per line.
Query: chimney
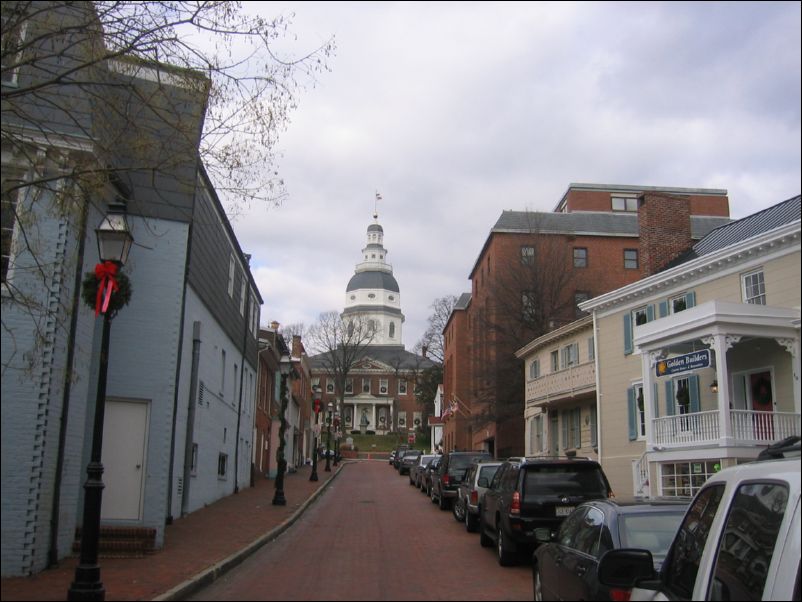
[664,223]
[424,350]
[297,346]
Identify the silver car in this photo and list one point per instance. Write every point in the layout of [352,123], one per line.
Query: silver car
[471,493]
[416,472]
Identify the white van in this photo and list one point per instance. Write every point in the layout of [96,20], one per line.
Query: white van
[739,540]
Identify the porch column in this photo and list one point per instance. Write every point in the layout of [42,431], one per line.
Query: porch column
[720,344]
[792,347]
[648,362]
[354,418]
[375,425]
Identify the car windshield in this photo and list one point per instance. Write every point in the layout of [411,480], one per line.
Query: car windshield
[570,480]
[653,531]
[487,472]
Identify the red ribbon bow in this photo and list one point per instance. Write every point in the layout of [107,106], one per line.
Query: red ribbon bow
[105,272]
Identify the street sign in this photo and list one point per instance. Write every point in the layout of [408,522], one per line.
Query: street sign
[411,438]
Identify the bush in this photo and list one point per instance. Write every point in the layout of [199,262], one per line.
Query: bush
[370,432]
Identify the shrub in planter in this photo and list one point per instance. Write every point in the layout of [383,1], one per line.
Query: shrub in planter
[370,432]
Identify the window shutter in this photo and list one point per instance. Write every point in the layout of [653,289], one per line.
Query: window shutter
[577,428]
[663,308]
[564,419]
[650,313]
[632,407]
[628,334]
[593,433]
[693,386]
[669,398]
[690,300]
[655,405]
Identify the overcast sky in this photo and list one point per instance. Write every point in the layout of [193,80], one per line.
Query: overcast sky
[455,112]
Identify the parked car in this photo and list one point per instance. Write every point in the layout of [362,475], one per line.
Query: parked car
[394,454]
[566,566]
[450,473]
[471,493]
[530,493]
[416,472]
[739,540]
[392,457]
[399,455]
[426,476]
[409,460]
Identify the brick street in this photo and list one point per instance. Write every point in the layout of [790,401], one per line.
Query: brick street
[372,536]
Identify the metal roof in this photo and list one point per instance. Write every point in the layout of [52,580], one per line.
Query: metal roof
[372,280]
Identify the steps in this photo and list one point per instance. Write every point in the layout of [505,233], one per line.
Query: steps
[121,542]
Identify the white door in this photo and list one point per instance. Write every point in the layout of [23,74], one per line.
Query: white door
[124,443]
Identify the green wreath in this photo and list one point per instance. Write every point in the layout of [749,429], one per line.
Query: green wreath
[119,298]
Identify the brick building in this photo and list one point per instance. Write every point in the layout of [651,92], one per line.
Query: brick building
[533,270]
[379,391]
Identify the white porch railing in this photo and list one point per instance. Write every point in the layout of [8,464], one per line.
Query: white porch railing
[702,428]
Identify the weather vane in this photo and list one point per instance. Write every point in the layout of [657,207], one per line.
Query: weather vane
[376,205]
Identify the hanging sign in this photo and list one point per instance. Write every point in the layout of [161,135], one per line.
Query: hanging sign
[684,363]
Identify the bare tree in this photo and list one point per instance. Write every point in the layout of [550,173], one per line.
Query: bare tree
[432,338]
[339,345]
[122,101]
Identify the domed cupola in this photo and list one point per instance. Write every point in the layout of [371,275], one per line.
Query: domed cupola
[373,293]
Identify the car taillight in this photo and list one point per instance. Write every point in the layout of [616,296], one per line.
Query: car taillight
[611,494]
[620,595]
[515,507]
[446,480]
[474,497]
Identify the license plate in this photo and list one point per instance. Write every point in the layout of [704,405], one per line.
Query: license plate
[563,510]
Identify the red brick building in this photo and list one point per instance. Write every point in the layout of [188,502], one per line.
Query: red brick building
[528,278]
[268,404]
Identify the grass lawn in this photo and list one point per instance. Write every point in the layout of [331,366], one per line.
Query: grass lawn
[385,443]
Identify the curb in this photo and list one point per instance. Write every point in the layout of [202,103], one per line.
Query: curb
[217,570]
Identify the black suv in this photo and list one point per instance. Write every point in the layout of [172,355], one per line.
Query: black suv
[529,493]
[451,473]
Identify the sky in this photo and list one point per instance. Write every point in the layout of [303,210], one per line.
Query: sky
[455,112]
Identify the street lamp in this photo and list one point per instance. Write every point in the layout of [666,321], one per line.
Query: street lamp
[316,432]
[337,435]
[114,242]
[328,438]
[285,367]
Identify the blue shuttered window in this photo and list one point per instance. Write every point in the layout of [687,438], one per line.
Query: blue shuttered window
[632,413]
[670,398]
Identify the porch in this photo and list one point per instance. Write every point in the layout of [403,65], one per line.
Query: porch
[746,427]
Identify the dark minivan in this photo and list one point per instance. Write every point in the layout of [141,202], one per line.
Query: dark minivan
[531,493]
[451,473]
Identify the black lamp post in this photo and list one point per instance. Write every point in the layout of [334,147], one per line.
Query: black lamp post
[114,242]
[337,435]
[278,497]
[328,438]
[316,431]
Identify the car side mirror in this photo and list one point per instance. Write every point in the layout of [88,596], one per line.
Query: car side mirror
[625,568]
[483,482]
[544,535]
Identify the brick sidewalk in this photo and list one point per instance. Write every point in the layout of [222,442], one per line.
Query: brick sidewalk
[192,544]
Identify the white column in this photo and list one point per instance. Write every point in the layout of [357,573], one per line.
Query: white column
[648,362]
[375,425]
[792,346]
[720,344]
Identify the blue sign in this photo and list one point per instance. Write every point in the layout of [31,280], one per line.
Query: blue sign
[684,363]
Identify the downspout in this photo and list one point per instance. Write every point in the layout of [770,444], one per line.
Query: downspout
[241,381]
[598,388]
[52,553]
[190,433]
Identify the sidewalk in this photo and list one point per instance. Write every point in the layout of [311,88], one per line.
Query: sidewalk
[197,548]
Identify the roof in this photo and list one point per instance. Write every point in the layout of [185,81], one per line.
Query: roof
[630,189]
[375,228]
[585,223]
[394,356]
[463,301]
[778,215]
[373,280]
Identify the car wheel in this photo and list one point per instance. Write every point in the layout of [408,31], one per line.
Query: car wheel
[471,522]
[537,585]
[442,502]
[432,496]
[484,539]
[459,511]
[503,547]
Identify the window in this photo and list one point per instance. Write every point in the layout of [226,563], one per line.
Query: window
[682,565]
[593,427]
[14,29]
[329,385]
[678,304]
[371,326]
[591,349]
[572,428]
[193,466]
[383,386]
[349,386]
[536,434]
[555,360]
[242,296]
[231,269]
[9,219]
[580,257]
[748,541]
[392,330]
[366,385]
[402,386]
[528,305]
[222,372]
[222,466]
[587,539]
[236,384]
[631,259]
[640,411]
[685,479]
[754,288]
[528,255]
[570,355]
[534,369]
[621,203]
[642,315]
[402,419]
